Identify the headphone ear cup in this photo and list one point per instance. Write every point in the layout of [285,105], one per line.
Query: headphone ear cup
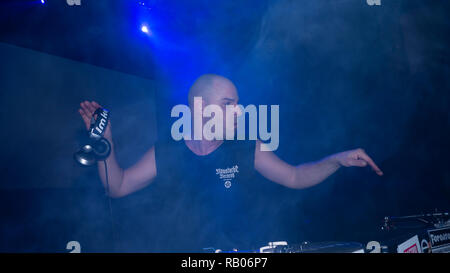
[101,148]
[85,156]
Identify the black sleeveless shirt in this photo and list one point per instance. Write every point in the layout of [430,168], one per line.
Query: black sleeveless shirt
[206,200]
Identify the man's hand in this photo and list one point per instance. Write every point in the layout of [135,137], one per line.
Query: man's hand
[356,158]
[120,182]
[86,112]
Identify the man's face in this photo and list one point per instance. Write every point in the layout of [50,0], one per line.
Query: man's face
[224,94]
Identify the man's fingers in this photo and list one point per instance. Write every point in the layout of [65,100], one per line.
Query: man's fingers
[96,105]
[84,105]
[369,160]
[83,114]
[86,119]
[81,111]
[87,110]
[357,163]
[91,107]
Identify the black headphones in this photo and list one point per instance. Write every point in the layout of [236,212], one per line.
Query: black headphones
[97,148]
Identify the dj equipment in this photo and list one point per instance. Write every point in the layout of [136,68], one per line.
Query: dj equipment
[422,233]
[418,233]
[437,219]
[97,148]
[284,247]
[323,247]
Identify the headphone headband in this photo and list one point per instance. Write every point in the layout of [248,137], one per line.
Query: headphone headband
[98,125]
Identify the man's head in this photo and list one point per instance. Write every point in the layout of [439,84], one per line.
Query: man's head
[214,90]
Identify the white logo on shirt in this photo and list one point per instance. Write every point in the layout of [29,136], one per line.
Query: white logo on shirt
[227,175]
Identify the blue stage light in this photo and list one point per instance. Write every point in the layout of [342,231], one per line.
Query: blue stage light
[146,29]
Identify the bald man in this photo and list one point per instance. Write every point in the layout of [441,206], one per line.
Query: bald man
[213,177]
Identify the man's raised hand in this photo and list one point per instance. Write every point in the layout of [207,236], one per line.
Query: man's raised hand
[87,110]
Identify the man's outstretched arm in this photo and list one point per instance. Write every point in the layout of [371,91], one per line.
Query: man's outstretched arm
[308,174]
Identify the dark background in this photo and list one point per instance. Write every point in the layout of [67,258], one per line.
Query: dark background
[344,73]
